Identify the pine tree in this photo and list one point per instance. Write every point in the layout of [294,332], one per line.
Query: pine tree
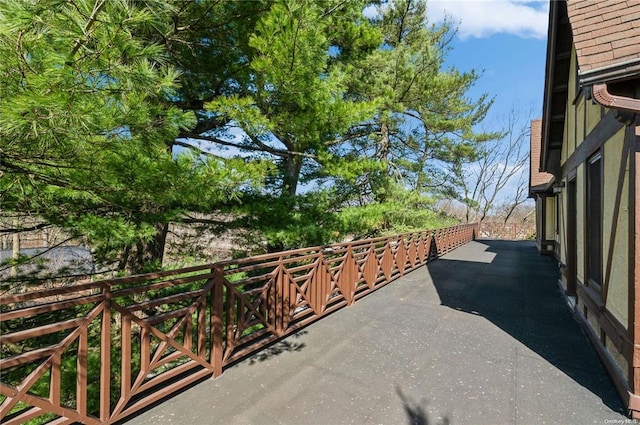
[293,110]
[86,126]
[425,117]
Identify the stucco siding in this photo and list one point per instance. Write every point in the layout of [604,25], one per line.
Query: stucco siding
[580,119]
[569,125]
[550,219]
[570,118]
[615,250]
[594,115]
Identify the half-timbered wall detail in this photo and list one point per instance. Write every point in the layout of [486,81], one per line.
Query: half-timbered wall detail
[592,93]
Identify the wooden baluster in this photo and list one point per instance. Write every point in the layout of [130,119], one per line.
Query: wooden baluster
[217,311]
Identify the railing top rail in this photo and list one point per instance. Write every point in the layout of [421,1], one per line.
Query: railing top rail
[222,264]
[339,245]
[28,296]
[142,278]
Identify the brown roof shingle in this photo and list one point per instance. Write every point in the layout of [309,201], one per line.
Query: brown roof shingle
[605,32]
[537,178]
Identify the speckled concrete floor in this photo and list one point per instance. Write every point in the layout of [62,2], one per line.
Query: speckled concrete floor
[480,336]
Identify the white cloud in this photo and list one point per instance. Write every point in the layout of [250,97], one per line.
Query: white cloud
[483,18]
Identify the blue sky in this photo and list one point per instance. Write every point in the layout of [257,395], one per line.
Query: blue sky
[507,40]
[504,38]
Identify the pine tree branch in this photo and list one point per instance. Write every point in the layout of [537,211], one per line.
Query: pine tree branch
[261,148]
[92,20]
[26,229]
[195,149]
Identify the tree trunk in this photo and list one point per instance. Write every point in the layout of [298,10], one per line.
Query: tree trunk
[385,143]
[291,175]
[383,154]
[146,256]
[15,248]
[290,168]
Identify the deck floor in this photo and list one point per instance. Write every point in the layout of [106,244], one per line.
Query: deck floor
[480,336]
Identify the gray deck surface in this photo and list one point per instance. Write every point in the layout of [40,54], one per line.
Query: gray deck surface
[480,336]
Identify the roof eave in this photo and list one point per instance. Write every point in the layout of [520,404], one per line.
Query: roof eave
[615,72]
[548,83]
[558,63]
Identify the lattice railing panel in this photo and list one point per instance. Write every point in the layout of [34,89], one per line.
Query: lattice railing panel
[98,352]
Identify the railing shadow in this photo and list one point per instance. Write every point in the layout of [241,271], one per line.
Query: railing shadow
[277,348]
[516,289]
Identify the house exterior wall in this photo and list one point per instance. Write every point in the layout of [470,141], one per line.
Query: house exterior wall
[582,117]
[605,310]
[592,103]
[593,116]
[616,226]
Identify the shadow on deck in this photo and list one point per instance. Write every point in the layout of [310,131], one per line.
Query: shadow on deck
[480,336]
[515,289]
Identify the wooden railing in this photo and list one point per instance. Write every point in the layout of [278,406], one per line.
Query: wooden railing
[100,351]
[512,231]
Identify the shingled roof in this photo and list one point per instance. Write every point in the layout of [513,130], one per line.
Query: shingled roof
[606,34]
[538,180]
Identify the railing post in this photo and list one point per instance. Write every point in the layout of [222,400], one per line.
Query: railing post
[352,273]
[280,300]
[319,286]
[447,239]
[105,356]
[456,237]
[217,316]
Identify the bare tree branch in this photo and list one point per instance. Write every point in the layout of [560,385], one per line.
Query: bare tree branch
[483,182]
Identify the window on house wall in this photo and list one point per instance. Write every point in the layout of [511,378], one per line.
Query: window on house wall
[571,232]
[539,220]
[558,214]
[593,248]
